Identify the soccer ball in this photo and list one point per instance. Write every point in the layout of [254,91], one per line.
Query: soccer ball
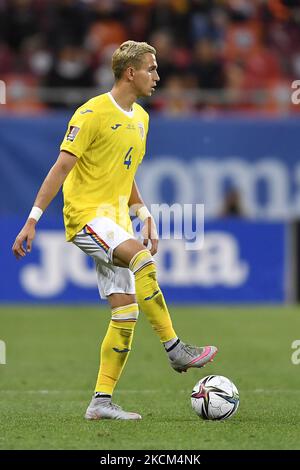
[215,397]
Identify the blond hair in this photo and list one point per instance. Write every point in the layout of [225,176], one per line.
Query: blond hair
[130,53]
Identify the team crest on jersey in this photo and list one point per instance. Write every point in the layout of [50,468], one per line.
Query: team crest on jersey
[73,133]
[141,129]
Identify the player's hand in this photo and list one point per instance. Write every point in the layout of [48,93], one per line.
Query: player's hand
[26,235]
[149,233]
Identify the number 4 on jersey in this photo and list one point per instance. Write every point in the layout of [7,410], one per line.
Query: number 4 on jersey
[127,159]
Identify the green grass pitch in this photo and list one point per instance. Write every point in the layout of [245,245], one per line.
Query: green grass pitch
[52,356]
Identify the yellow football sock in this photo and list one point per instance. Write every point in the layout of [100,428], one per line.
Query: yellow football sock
[116,346]
[149,296]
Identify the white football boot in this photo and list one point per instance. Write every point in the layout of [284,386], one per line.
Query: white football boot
[100,408]
[185,356]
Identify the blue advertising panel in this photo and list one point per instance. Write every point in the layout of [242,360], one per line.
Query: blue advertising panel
[240,261]
[187,161]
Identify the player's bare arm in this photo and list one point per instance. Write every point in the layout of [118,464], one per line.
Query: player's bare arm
[149,230]
[46,194]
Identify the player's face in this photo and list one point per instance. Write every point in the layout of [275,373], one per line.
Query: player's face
[146,77]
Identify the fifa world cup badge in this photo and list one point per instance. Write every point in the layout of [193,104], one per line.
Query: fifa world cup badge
[72,133]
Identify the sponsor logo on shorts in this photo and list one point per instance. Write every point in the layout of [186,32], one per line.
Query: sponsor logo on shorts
[110,235]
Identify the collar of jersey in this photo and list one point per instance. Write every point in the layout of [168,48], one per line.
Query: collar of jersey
[127,113]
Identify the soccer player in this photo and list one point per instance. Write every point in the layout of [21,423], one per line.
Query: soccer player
[104,144]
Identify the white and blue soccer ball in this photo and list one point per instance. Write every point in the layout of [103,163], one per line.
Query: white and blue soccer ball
[215,397]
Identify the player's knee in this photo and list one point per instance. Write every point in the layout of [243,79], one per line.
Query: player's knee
[140,261]
[127,313]
[120,300]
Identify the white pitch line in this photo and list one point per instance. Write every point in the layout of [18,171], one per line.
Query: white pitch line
[49,392]
[140,391]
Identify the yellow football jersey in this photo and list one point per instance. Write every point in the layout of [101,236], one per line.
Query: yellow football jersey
[110,144]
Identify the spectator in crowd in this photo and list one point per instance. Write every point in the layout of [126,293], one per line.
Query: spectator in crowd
[236,47]
[232,205]
[70,71]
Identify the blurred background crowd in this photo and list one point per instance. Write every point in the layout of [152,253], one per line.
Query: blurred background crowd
[213,55]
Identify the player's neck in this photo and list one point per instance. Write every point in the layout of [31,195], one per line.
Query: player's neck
[123,97]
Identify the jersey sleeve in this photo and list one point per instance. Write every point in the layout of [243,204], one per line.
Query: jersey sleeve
[81,132]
